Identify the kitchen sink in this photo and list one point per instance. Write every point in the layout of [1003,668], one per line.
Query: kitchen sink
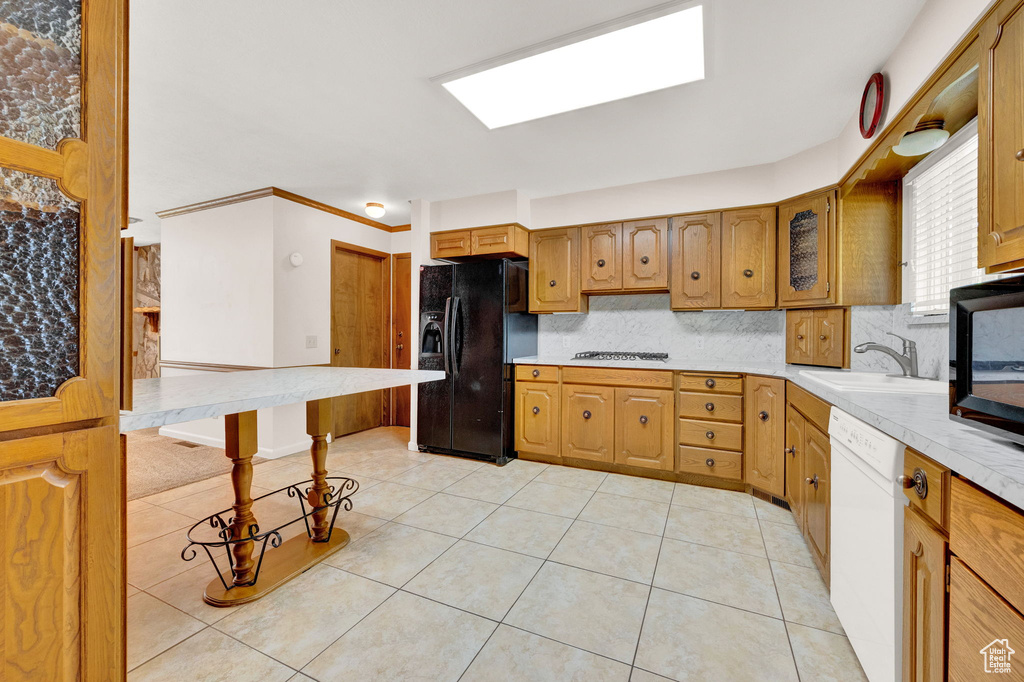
[877,383]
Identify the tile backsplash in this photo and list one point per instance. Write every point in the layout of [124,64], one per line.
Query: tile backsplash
[643,322]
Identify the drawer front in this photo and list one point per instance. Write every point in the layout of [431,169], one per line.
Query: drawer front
[711,383]
[980,626]
[453,244]
[726,408]
[932,500]
[617,377]
[989,537]
[718,463]
[707,434]
[536,373]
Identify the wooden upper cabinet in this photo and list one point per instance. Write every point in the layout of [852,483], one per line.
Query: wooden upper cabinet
[696,261]
[764,462]
[748,258]
[602,257]
[1001,140]
[643,428]
[452,244]
[924,600]
[818,337]
[799,335]
[588,422]
[555,271]
[645,255]
[480,243]
[807,232]
[537,418]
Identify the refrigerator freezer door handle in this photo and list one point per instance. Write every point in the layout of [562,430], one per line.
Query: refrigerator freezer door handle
[456,304]
[445,346]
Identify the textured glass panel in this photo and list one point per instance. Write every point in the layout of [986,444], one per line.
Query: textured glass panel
[38,286]
[40,70]
[803,250]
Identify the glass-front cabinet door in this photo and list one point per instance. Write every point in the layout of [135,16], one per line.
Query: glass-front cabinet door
[807,250]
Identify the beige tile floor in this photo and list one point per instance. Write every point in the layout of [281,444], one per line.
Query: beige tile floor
[462,570]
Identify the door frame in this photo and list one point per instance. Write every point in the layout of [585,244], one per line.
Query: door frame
[386,266]
[391,330]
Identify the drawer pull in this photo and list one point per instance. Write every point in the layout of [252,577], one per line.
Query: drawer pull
[812,481]
[710,435]
[762,415]
[645,260]
[919,482]
[1019,155]
[600,263]
[586,414]
[710,407]
[710,461]
[710,383]
[644,419]
[536,410]
[748,273]
[694,275]
[552,283]
[536,373]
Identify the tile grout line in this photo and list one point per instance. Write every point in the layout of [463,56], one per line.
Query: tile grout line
[775,584]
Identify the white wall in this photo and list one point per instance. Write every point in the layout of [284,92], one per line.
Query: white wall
[510,206]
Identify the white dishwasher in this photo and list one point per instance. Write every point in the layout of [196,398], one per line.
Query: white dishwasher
[866,533]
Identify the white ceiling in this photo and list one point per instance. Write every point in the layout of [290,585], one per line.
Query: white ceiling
[332,99]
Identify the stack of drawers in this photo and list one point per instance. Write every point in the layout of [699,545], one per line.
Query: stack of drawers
[710,425]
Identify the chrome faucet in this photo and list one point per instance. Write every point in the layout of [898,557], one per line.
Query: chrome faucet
[907,361]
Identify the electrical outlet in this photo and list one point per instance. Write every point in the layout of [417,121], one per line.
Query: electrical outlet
[698,343]
[310,342]
[566,342]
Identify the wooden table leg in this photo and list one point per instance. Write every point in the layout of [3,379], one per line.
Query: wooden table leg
[240,445]
[318,424]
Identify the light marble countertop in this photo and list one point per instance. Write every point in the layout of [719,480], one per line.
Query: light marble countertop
[920,421]
[171,400]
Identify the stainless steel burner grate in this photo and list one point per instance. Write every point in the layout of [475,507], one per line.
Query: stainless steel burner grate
[620,355]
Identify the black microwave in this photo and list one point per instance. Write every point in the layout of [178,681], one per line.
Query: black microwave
[986,356]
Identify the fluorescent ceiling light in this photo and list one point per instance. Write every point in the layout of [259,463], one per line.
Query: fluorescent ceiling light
[652,55]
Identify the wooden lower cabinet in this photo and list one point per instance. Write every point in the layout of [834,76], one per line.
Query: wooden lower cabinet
[924,600]
[794,450]
[588,422]
[817,493]
[982,626]
[537,418]
[764,464]
[643,428]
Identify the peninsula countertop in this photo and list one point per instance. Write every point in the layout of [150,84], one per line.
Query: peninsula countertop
[920,421]
[171,400]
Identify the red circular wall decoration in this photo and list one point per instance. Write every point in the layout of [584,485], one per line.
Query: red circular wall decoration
[871,105]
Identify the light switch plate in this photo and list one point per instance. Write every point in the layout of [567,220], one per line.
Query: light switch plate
[310,342]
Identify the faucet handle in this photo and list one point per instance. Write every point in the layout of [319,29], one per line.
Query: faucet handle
[907,343]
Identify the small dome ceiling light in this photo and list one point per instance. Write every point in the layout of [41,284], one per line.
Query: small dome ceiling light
[926,137]
[375,210]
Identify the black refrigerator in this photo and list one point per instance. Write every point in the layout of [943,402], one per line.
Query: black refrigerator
[474,319]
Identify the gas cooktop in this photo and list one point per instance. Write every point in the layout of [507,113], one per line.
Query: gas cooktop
[620,355]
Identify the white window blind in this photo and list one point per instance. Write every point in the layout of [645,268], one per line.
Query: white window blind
[940,199]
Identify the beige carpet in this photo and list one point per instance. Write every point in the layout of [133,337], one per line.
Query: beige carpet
[157,463]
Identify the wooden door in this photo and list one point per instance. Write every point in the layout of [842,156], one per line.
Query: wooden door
[764,462]
[748,258]
[537,418]
[799,337]
[645,254]
[980,619]
[401,327]
[588,422]
[924,600]
[555,270]
[696,282]
[829,337]
[360,335]
[807,233]
[602,257]
[1001,140]
[63,198]
[794,451]
[643,428]
[817,488]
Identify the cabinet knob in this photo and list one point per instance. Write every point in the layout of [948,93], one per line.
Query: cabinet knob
[600,263]
[536,410]
[710,461]
[822,337]
[918,481]
[536,373]
[710,407]
[400,346]
[694,275]
[1019,155]
[586,414]
[790,451]
[710,435]
[710,383]
[748,273]
[799,337]
[644,419]
[552,283]
[812,481]
[762,415]
[645,260]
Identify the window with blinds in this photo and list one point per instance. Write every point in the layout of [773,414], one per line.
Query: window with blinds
[940,224]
